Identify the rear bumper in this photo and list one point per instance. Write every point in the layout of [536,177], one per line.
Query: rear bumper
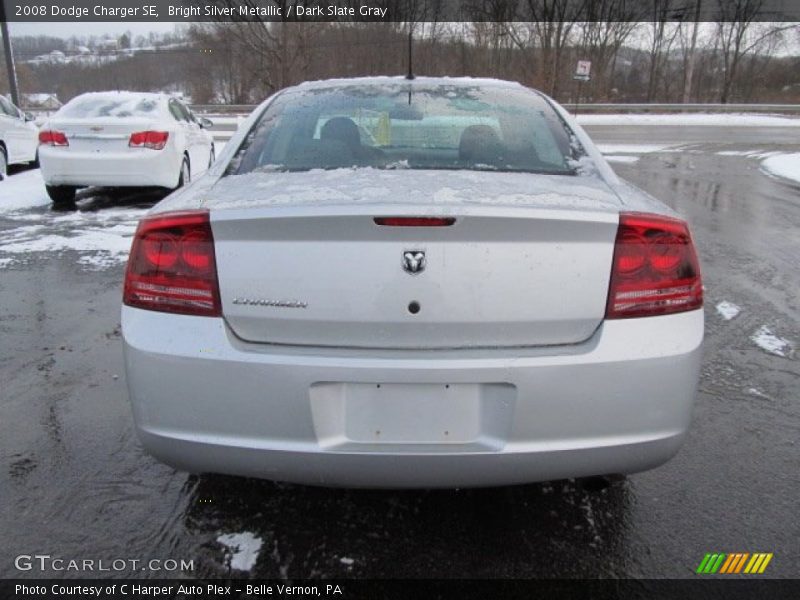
[205,401]
[136,168]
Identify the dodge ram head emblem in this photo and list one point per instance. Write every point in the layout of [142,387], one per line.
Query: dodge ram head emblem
[414,261]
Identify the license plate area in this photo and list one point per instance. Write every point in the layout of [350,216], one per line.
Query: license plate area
[407,417]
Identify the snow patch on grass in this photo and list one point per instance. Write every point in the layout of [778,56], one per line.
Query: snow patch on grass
[243,549]
[727,310]
[768,341]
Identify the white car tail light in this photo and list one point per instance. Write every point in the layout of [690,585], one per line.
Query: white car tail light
[154,140]
[172,267]
[655,269]
[49,137]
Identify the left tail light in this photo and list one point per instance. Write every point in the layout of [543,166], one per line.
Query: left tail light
[154,140]
[50,137]
[172,267]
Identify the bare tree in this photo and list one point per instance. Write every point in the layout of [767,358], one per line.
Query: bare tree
[545,32]
[661,34]
[737,36]
[609,24]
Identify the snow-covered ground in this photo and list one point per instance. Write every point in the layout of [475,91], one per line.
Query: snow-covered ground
[622,158]
[634,148]
[101,238]
[786,166]
[22,191]
[693,119]
[630,153]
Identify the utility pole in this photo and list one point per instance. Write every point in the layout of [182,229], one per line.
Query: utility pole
[12,72]
[410,74]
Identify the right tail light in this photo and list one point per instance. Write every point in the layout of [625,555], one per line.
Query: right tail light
[153,140]
[655,269]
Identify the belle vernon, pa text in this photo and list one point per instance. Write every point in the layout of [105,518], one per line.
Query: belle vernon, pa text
[169,591]
[299,10]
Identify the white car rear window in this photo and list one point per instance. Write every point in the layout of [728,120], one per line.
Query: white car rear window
[87,107]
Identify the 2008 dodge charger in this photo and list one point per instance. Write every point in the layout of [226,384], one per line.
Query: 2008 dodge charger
[412,283]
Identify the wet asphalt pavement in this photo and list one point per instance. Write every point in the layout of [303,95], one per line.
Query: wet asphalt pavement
[74,482]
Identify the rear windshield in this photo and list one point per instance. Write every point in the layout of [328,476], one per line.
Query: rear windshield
[109,106]
[404,126]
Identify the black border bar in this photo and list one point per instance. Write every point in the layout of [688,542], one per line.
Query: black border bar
[406,11]
[701,587]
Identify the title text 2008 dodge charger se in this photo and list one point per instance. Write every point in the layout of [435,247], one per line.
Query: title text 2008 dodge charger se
[425,283]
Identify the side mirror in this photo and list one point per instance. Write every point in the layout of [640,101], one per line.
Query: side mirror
[205,123]
[29,117]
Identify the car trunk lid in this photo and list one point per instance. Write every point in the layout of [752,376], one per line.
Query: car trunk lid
[109,134]
[503,274]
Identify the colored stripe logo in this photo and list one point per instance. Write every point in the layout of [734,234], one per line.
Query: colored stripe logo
[734,563]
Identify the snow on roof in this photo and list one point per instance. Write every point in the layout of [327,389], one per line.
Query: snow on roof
[42,98]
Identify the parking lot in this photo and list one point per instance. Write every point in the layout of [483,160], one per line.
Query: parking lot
[74,482]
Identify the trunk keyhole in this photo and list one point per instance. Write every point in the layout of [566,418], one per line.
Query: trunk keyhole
[413,307]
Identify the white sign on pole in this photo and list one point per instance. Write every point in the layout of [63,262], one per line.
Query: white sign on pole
[583,68]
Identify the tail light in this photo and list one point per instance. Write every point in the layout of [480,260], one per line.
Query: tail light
[172,267]
[655,269]
[49,137]
[154,140]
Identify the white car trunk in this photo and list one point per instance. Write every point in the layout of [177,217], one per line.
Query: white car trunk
[109,134]
[499,276]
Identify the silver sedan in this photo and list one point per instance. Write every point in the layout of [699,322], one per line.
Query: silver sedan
[424,283]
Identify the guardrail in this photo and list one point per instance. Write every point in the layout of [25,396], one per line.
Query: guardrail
[232,110]
[621,107]
[684,108]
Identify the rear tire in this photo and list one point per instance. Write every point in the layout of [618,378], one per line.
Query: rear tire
[61,195]
[3,163]
[186,174]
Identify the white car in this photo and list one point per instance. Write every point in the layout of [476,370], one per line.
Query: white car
[122,139]
[18,137]
[468,297]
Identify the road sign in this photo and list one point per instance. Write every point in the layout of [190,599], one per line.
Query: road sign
[583,69]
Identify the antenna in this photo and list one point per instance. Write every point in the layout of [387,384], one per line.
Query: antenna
[410,56]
